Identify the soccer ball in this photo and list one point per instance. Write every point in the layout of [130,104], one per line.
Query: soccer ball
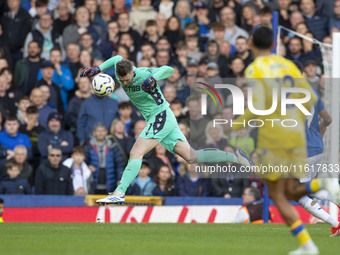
[103,85]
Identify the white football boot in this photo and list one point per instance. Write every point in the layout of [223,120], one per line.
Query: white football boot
[115,197]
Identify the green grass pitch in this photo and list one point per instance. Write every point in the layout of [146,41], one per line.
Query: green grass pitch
[160,239]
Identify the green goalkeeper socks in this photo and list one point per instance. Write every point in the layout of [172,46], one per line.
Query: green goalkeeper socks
[129,174]
[215,156]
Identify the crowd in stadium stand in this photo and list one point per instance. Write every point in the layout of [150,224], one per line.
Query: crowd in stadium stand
[58,138]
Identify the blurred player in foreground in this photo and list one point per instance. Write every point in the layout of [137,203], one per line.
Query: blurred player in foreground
[315,131]
[140,84]
[278,145]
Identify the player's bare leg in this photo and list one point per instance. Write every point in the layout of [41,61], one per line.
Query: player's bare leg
[210,155]
[139,149]
[277,192]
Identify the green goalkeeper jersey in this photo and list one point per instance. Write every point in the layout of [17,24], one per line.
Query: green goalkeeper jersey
[148,104]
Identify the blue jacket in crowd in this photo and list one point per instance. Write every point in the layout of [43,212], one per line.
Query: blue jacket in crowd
[53,181]
[94,110]
[188,188]
[47,138]
[136,190]
[17,185]
[9,142]
[114,163]
[64,81]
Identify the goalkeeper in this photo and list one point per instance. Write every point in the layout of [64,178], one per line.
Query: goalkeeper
[140,84]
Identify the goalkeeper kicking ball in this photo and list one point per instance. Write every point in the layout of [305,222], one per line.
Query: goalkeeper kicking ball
[103,85]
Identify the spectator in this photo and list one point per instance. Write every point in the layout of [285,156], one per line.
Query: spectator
[173,31]
[310,73]
[243,51]
[53,178]
[182,11]
[125,111]
[163,44]
[118,8]
[169,92]
[87,43]
[10,137]
[147,51]
[284,12]
[334,23]
[55,136]
[88,115]
[12,183]
[150,34]
[123,51]
[176,107]
[141,14]
[142,185]
[26,70]
[237,67]
[47,37]
[73,109]
[193,49]
[72,61]
[164,7]
[23,104]
[20,159]
[7,102]
[15,24]
[233,31]
[85,60]
[38,8]
[197,123]
[295,19]
[266,16]
[64,19]
[126,39]
[81,173]
[73,32]
[62,76]
[215,137]
[190,184]
[218,29]
[182,91]
[161,157]
[317,23]
[161,22]
[144,62]
[109,44]
[247,19]
[213,55]
[47,74]
[162,57]
[32,129]
[243,141]
[124,26]
[213,74]
[138,128]
[104,15]
[123,141]
[104,160]
[295,51]
[192,69]
[165,183]
[252,211]
[202,19]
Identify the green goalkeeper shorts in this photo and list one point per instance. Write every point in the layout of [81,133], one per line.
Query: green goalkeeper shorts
[164,128]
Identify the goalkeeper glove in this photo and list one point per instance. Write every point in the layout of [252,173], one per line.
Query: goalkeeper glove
[90,71]
[149,85]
